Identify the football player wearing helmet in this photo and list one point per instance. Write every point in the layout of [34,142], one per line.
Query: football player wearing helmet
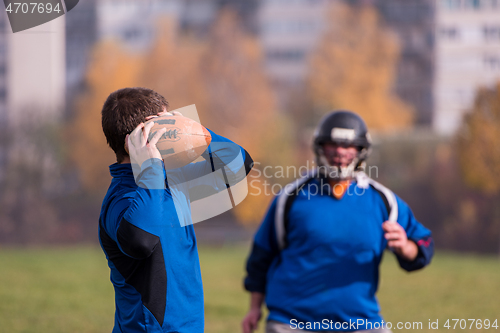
[315,258]
[335,134]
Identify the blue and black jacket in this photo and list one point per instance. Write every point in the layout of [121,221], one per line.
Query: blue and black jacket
[316,257]
[152,254]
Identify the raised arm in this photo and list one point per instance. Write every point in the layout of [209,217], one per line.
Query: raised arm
[222,154]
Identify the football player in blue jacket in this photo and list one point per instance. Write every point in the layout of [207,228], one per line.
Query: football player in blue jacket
[145,229]
[315,258]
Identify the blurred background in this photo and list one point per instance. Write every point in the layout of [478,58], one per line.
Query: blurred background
[424,74]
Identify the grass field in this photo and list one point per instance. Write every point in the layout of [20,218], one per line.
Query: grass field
[63,290]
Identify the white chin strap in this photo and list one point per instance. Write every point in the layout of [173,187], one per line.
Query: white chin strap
[335,172]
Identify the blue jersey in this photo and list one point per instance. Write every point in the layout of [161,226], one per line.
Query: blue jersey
[151,246]
[328,267]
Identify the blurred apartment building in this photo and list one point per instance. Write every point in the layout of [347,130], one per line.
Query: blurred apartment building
[413,21]
[32,72]
[81,34]
[467,57]
[132,23]
[43,68]
[3,91]
[290,30]
[4,30]
[32,83]
[448,47]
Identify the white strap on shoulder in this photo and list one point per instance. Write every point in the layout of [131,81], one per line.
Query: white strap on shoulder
[364,181]
[279,218]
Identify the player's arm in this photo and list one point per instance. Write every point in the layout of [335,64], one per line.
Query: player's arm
[251,320]
[221,154]
[129,219]
[398,241]
[264,251]
[410,240]
[227,159]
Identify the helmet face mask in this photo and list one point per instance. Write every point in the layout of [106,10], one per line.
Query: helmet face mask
[335,171]
[341,129]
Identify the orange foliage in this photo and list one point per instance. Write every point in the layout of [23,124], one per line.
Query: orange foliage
[240,97]
[224,77]
[354,68]
[171,67]
[241,104]
[110,69]
[479,142]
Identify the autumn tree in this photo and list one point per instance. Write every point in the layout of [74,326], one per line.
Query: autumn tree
[111,68]
[241,100]
[479,141]
[223,76]
[354,67]
[172,67]
[241,104]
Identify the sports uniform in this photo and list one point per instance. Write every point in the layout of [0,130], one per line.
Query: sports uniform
[151,247]
[316,257]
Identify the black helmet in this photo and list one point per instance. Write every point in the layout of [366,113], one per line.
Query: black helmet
[346,128]
[343,127]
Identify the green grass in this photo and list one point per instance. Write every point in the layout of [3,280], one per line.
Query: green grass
[55,290]
[68,290]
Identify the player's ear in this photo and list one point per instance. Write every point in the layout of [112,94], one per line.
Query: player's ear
[125,145]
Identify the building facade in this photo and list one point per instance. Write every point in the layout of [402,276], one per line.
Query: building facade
[413,21]
[36,72]
[81,35]
[467,57]
[289,31]
[4,30]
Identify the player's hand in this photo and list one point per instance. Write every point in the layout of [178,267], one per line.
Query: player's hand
[164,113]
[251,321]
[138,147]
[398,241]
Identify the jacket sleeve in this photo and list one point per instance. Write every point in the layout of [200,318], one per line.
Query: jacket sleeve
[264,251]
[222,157]
[130,219]
[417,233]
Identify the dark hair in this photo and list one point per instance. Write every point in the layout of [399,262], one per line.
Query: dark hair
[124,110]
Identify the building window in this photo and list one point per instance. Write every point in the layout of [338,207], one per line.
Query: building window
[474,4]
[492,62]
[132,34]
[450,33]
[290,27]
[450,4]
[286,55]
[490,3]
[491,32]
